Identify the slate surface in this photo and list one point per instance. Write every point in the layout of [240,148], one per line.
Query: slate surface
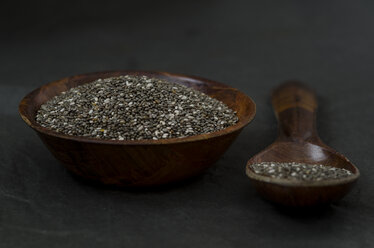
[250,45]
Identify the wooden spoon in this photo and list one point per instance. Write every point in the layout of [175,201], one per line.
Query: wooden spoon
[295,108]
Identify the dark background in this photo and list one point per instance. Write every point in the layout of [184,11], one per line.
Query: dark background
[250,45]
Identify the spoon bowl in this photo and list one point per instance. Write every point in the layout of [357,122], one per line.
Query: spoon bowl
[295,107]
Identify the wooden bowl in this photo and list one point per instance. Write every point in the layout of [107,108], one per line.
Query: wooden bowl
[141,162]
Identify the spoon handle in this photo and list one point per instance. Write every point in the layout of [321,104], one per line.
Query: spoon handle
[295,107]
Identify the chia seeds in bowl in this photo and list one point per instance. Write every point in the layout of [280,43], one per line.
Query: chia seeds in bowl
[134,108]
[134,163]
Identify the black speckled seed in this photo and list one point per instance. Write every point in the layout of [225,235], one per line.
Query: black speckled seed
[299,171]
[134,108]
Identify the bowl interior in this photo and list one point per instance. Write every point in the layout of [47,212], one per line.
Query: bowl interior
[236,100]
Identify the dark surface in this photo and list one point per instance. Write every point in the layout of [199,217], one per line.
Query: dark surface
[249,45]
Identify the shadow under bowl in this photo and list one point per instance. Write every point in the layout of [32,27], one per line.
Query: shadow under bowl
[138,163]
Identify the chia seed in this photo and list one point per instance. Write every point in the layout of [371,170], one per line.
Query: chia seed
[134,108]
[299,171]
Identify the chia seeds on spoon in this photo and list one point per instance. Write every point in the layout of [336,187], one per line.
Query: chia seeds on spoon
[134,108]
[299,171]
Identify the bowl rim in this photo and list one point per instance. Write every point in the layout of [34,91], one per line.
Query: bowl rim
[24,103]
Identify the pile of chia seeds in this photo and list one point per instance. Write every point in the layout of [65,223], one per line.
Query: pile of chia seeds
[134,108]
[299,171]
